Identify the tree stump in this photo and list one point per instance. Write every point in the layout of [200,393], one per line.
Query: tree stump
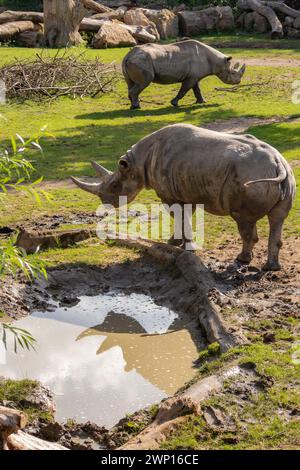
[62,20]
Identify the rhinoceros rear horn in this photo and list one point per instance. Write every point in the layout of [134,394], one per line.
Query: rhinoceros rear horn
[100,170]
[89,187]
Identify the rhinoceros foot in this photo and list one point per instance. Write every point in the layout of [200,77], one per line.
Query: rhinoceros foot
[271,266]
[201,101]
[135,106]
[175,241]
[244,258]
[174,103]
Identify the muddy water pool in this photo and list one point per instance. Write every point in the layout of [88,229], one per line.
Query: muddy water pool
[105,357]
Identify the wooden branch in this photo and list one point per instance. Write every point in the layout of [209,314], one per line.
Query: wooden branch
[90,24]
[9,30]
[10,421]
[95,6]
[23,441]
[173,411]
[12,16]
[197,274]
[199,277]
[283,8]
[267,12]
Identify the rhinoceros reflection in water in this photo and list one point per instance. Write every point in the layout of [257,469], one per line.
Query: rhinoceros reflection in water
[165,360]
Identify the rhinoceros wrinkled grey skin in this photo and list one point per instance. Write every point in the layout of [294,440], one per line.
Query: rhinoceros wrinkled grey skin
[185,62]
[236,175]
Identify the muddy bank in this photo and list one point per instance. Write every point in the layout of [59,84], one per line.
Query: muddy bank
[244,296]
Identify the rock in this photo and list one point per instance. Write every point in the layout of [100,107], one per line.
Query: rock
[255,22]
[165,21]
[51,432]
[112,35]
[213,416]
[269,337]
[136,16]
[40,397]
[297,23]
[293,33]
[180,7]
[29,39]
[193,23]
[239,22]
[226,22]
[288,21]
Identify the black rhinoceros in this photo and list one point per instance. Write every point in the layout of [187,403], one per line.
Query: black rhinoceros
[185,62]
[236,175]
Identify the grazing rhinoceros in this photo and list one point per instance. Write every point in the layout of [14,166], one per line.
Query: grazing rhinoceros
[189,165]
[185,62]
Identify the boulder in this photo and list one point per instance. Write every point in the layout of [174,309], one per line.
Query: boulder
[165,21]
[289,21]
[226,20]
[136,16]
[193,23]
[112,35]
[293,33]
[240,21]
[297,23]
[180,7]
[255,22]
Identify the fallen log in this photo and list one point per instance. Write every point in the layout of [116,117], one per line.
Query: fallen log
[267,12]
[91,24]
[198,276]
[9,30]
[22,441]
[200,279]
[173,411]
[110,15]
[10,422]
[95,6]
[9,16]
[142,34]
[283,8]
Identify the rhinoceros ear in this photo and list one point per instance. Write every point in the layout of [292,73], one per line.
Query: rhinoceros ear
[123,165]
[228,58]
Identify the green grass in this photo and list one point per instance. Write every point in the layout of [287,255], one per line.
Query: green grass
[260,422]
[18,391]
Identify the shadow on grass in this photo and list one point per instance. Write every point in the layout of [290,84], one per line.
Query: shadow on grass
[123,113]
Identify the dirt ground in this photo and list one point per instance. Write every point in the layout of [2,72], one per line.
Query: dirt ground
[271,61]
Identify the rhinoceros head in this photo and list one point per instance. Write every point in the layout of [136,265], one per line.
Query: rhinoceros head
[231,74]
[124,182]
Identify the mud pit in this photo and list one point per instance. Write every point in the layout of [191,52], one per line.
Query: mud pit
[114,349]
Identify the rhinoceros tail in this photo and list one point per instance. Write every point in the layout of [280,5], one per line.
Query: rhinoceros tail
[281,175]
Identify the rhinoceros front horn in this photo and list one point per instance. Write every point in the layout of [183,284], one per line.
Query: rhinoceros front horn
[100,170]
[242,69]
[89,187]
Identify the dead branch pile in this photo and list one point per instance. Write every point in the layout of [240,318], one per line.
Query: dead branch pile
[64,74]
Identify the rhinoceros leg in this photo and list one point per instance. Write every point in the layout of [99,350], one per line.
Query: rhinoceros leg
[133,94]
[249,236]
[198,95]
[185,87]
[276,218]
